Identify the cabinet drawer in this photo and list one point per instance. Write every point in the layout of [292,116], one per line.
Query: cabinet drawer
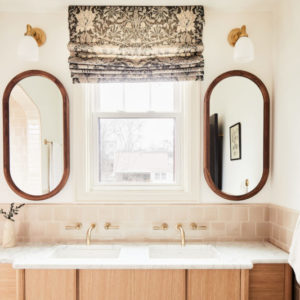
[8,286]
[50,284]
[214,284]
[270,282]
[131,284]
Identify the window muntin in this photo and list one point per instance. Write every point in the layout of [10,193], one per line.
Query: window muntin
[137,97]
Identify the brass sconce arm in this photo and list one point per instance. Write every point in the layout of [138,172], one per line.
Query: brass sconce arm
[235,34]
[37,33]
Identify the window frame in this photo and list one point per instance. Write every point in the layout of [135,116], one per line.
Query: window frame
[186,191]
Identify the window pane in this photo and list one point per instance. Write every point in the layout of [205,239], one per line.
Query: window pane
[136,150]
[137,96]
[162,96]
[111,97]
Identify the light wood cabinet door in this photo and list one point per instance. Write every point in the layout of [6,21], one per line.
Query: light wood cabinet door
[50,284]
[214,285]
[8,286]
[132,284]
[270,282]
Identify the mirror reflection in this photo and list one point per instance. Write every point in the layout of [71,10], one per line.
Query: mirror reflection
[236,135]
[36,135]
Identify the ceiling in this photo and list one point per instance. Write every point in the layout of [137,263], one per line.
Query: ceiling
[61,5]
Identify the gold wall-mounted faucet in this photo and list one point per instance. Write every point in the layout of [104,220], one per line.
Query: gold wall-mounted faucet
[182,234]
[88,233]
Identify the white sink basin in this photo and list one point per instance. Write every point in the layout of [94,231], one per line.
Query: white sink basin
[187,252]
[95,252]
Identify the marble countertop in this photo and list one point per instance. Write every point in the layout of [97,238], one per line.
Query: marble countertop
[215,255]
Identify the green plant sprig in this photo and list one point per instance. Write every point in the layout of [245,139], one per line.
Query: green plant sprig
[14,210]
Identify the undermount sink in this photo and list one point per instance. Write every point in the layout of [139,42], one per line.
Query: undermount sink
[95,252]
[134,252]
[187,252]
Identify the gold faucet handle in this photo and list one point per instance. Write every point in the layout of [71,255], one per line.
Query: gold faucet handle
[178,226]
[163,226]
[108,226]
[76,226]
[195,226]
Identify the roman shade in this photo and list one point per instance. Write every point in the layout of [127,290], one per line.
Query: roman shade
[135,43]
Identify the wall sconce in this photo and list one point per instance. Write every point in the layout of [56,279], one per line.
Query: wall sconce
[29,45]
[243,46]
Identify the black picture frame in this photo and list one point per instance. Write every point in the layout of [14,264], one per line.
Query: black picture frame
[235,141]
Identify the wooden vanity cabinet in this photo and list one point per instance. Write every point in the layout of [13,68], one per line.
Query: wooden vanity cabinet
[270,282]
[214,284]
[49,285]
[132,284]
[263,282]
[8,282]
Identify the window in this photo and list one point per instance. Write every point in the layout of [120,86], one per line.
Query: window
[136,134]
[138,141]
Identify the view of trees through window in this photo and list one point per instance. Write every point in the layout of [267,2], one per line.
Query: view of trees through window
[136,143]
[138,150]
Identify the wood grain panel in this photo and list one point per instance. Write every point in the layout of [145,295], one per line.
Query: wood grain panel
[20,284]
[267,282]
[296,291]
[131,284]
[8,282]
[214,285]
[105,284]
[288,282]
[50,284]
[244,284]
[159,284]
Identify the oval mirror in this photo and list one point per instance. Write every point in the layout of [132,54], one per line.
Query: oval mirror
[36,135]
[236,139]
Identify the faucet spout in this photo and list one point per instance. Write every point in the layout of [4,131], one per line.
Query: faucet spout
[182,234]
[88,234]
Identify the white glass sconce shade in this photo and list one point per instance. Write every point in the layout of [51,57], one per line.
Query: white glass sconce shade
[243,50]
[28,49]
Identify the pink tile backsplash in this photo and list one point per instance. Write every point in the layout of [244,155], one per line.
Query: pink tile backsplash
[282,223]
[46,222]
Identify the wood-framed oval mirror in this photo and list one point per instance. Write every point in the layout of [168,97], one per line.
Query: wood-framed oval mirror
[36,147]
[236,135]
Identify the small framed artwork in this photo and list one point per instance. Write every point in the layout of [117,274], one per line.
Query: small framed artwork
[235,142]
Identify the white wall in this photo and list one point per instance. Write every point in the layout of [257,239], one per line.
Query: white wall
[285,174]
[54,57]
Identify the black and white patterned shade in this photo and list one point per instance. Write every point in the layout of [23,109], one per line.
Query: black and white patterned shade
[136,43]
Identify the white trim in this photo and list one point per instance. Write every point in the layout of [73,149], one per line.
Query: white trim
[186,192]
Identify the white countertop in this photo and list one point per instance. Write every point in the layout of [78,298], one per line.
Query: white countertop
[227,255]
